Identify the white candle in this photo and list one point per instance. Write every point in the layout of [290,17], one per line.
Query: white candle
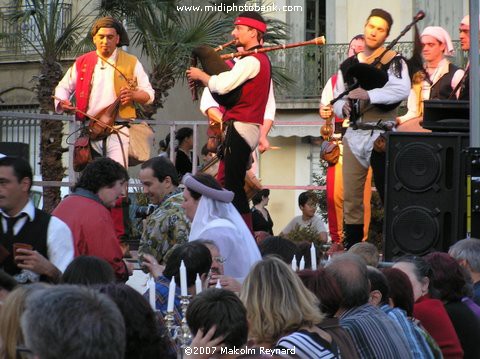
[313,256]
[171,295]
[198,285]
[218,285]
[302,263]
[183,279]
[151,292]
[294,264]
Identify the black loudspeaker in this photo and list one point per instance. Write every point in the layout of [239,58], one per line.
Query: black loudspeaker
[15,149]
[425,204]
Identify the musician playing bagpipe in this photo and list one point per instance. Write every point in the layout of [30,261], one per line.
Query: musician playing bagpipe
[369,108]
[244,118]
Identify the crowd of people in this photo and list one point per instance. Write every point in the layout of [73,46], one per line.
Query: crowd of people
[231,292]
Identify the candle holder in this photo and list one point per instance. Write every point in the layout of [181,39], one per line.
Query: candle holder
[179,333]
[184,336]
[170,324]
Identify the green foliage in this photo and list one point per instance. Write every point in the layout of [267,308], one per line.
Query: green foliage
[51,37]
[168,36]
[302,234]
[320,179]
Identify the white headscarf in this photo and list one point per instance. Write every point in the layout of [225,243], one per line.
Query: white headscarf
[441,35]
[466,20]
[221,223]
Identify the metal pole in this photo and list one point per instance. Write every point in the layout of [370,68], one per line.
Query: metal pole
[474,76]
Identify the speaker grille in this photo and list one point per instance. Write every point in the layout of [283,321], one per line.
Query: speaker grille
[425,192]
[417,167]
[415,230]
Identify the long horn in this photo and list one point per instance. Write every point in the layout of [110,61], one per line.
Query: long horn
[225,45]
[317,41]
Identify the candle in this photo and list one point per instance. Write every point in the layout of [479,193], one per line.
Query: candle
[302,263]
[313,256]
[198,285]
[151,292]
[183,279]
[218,285]
[171,295]
[294,264]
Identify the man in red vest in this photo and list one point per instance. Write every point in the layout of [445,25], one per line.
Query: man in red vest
[245,118]
[99,78]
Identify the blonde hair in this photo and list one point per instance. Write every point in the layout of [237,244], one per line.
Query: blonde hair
[11,311]
[277,302]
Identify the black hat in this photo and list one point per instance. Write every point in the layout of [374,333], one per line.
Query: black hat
[110,22]
[384,15]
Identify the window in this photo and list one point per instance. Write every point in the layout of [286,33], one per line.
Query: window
[315,19]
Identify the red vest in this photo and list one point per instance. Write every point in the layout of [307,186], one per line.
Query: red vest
[252,103]
[85,65]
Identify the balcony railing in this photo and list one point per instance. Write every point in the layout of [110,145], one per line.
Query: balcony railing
[311,67]
[23,47]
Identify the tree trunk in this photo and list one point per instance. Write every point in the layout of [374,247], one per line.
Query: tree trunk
[51,161]
[51,149]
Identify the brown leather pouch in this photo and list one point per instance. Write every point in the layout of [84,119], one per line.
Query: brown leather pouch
[82,153]
[380,143]
[330,152]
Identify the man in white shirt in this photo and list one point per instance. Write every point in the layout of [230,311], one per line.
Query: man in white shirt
[244,118]
[437,80]
[33,245]
[101,77]
[375,106]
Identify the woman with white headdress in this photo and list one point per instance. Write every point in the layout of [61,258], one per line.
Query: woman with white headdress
[213,217]
[439,77]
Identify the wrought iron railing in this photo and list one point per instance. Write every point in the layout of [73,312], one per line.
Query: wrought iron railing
[311,67]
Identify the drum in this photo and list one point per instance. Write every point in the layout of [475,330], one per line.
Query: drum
[252,184]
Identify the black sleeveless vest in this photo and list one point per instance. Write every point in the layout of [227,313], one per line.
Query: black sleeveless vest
[465,88]
[443,87]
[33,233]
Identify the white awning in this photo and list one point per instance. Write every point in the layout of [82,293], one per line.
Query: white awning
[299,124]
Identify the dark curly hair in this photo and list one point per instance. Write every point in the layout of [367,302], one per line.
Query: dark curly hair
[103,172]
[146,338]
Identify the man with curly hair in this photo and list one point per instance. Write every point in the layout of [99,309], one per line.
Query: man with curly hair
[86,212]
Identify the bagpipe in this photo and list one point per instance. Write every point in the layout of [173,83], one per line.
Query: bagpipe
[370,76]
[213,64]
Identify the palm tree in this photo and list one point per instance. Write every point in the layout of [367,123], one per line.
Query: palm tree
[167,36]
[52,39]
